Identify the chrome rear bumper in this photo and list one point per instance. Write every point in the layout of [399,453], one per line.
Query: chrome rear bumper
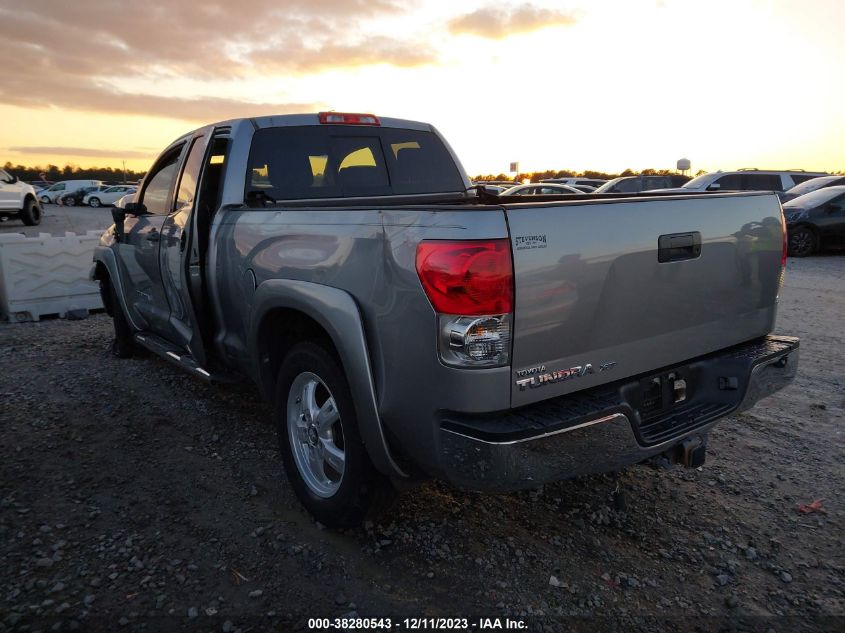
[602,431]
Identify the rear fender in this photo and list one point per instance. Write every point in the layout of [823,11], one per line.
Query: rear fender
[337,313]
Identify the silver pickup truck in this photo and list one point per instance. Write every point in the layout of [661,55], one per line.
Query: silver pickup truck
[407,325]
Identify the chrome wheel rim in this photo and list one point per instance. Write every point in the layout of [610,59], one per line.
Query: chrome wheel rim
[94,202]
[315,434]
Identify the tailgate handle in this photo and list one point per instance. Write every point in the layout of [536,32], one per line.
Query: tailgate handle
[677,247]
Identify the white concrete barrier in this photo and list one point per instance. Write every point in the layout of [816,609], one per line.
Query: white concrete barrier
[47,275]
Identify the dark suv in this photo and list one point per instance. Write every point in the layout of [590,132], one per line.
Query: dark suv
[816,220]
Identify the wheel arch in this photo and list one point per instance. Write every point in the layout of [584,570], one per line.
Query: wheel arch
[287,311]
[106,269]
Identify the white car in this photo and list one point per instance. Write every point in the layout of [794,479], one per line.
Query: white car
[540,189]
[52,193]
[107,196]
[18,198]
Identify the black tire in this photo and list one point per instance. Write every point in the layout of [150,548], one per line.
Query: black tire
[45,200]
[94,202]
[31,213]
[123,344]
[70,202]
[363,492]
[802,242]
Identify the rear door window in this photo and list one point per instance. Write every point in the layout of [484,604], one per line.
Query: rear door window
[345,161]
[761,182]
[799,178]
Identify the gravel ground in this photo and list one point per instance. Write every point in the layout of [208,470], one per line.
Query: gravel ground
[135,498]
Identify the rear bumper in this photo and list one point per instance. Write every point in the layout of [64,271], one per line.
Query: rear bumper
[606,429]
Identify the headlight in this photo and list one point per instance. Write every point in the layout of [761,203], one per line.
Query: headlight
[794,216]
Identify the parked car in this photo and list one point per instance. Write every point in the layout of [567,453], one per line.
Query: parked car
[53,192]
[108,196]
[18,198]
[635,184]
[74,198]
[595,183]
[816,220]
[749,180]
[811,185]
[540,189]
[405,327]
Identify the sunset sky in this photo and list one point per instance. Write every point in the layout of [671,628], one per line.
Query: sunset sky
[589,84]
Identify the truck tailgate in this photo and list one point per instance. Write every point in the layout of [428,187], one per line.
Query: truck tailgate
[594,302]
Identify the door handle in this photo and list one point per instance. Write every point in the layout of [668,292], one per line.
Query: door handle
[677,247]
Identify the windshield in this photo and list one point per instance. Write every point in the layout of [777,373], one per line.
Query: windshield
[608,185]
[699,182]
[814,198]
[811,185]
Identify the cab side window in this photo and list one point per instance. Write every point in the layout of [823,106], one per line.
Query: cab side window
[157,190]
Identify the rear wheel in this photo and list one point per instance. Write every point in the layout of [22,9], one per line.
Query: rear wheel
[45,200]
[31,213]
[324,457]
[94,202]
[71,201]
[802,242]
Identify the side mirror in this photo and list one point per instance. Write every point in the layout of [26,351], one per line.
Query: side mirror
[715,186]
[118,215]
[134,208]
[12,179]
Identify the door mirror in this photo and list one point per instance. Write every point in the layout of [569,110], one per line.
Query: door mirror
[715,186]
[134,208]
[118,215]
[12,179]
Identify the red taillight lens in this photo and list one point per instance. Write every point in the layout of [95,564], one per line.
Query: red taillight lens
[348,118]
[467,277]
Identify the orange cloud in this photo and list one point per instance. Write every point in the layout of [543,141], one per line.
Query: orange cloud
[495,22]
[63,53]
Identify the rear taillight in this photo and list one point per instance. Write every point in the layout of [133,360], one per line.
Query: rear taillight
[348,118]
[470,286]
[467,277]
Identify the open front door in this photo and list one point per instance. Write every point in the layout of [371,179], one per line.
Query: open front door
[175,236]
[184,238]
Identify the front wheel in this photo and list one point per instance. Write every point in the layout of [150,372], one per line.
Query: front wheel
[31,213]
[802,242]
[94,202]
[70,202]
[123,344]
[324,457]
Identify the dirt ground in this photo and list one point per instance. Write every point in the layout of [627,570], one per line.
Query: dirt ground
[133,497]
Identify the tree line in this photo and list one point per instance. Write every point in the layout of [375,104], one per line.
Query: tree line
[55,173]
[537,176]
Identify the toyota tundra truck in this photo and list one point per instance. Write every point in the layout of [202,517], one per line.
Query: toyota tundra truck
[407,325]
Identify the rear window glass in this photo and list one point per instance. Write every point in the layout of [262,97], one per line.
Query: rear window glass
[337,161]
